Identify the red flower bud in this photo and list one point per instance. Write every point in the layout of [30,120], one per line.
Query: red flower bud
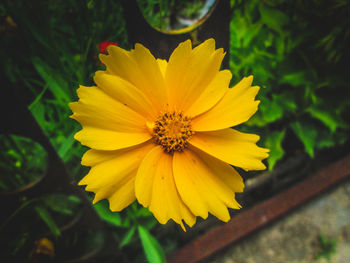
[102,47]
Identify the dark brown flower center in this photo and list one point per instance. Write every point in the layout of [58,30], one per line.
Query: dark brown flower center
[172,130]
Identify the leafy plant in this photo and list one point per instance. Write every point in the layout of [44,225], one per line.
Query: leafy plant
[23,162]
[126,224]
[32,218]
[328,248]
[280,43]
[154,252]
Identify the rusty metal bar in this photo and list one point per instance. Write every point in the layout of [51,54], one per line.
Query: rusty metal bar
[262,214]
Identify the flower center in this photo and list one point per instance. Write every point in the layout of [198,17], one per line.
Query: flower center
[172,131]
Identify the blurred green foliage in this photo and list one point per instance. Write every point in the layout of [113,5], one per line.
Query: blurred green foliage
[35,217]
[23,160]
[293,50]
[328,247]
[296,50]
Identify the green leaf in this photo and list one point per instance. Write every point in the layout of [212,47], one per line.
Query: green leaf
[250,34]
[143,212]
[307,135]
[256,120]
[20,242]
[274,142]
[62,203]
[286,101]
[106,214]
[271,110]
[46,217]
[280,46]
[38,111]
[66,145]
[273,18]
[57,88]
[262,72]
[295,79]
[154,252]
[128,236]
[239,31]
[325,139]
[330,119]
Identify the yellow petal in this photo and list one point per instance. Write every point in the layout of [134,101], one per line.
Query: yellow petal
[162,63]
[236,107]
[113,174]
[100,139]
[124,196]
[155,188]
[176,69]
[202,78]
[211,94]
[153,84]
[126,93]
[223,171]
[189,75]
[110,167]
[124,189]
[199,186]
[187,186]
[202,68]
[233,147]
[119,63]
[92,157]
[96,109]
[139,68]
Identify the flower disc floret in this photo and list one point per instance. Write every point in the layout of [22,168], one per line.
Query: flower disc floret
[172,130]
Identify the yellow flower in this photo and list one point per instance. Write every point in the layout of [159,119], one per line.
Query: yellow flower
[159,132]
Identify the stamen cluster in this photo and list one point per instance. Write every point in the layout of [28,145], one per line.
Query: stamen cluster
[172,131]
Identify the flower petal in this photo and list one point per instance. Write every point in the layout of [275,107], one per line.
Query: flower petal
[138,67]
[96,109]
[189,72]
[120,194]
[176,69]
[92,157]
[162,63]
[109,167]
[154,85]
[126,93]
[202,69]
[113,174]
[120,63]
[211,94]
[232,147]
[155,188]
[199,186]
[124,196]
[223,171]
[100,139]
[236,106]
